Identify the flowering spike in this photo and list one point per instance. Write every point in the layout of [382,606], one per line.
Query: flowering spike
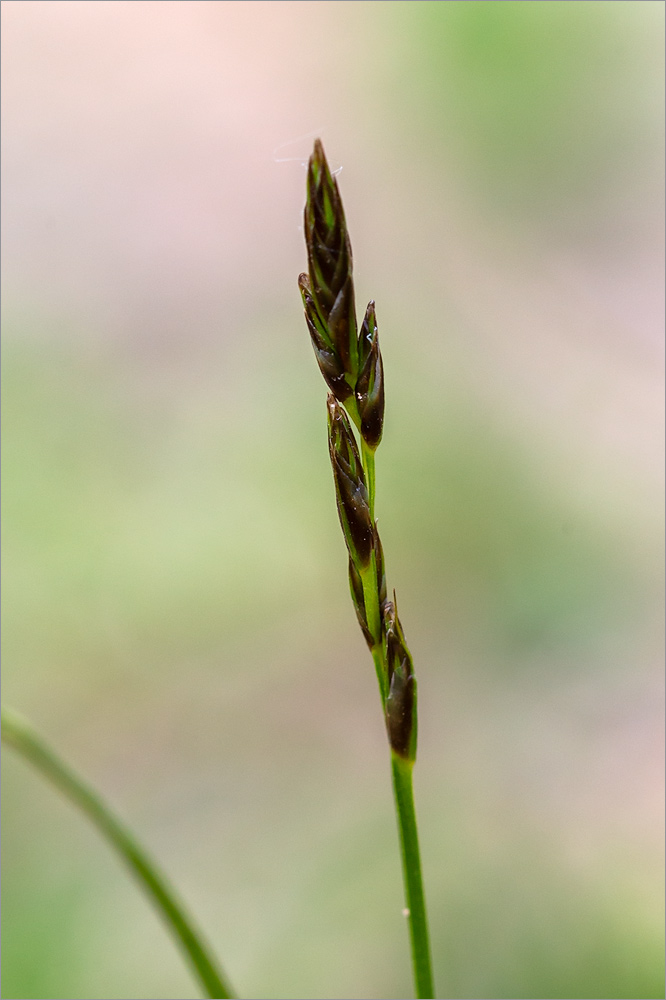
[353,370]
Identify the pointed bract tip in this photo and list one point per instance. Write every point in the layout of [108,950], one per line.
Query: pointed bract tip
[318,164]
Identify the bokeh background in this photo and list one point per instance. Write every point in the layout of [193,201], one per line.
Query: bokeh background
[176,614]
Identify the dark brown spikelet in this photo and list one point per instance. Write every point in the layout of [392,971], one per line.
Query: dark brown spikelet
[350,488]
[401,701]
[370,383]
[330,262]
[325,352]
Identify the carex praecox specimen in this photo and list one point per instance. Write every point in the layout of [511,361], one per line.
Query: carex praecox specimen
[351,363]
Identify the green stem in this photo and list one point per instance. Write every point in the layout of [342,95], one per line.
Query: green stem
[411,867]
[380,669]
[402,787]
[369,578]
[19,735]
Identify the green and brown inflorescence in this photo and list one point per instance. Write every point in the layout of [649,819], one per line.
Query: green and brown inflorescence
[351,363]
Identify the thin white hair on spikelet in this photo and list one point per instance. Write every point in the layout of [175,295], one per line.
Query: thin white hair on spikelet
[303,158]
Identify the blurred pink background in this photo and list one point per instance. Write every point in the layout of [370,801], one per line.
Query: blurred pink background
[176,612]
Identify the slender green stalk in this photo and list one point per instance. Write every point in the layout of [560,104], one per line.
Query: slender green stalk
[20,736]
[411,867]
[401,771]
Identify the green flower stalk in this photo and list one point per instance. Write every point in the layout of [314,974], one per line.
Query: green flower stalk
[351,362]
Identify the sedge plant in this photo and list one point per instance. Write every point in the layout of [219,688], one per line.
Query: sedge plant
[351,362]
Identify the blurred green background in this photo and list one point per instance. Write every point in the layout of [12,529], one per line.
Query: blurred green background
[176,614]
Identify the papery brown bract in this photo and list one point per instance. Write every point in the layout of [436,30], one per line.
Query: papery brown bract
[401,701]
[369,390]
[327,356]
